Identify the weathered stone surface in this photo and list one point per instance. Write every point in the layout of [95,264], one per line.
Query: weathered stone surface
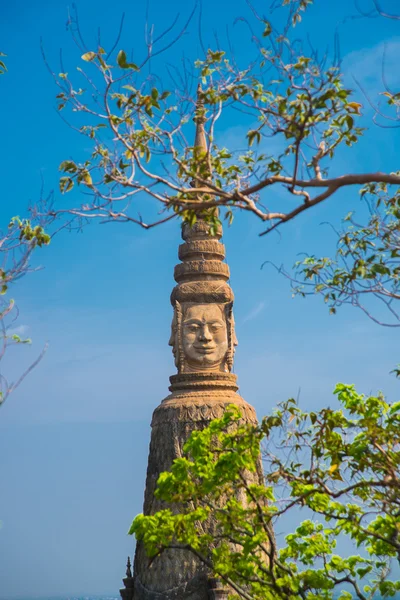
[202,250]
[217,590]
[128,590]
[200,230]
[202,291]
[210,268]
[193,403]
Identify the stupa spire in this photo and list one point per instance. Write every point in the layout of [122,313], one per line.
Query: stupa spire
[200,146]
[203,342]
[200,140]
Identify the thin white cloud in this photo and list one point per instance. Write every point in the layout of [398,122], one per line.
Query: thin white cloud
[373,68]
[254,313]
[20,330]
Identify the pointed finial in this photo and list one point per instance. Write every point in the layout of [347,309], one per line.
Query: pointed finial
[199,118]
[128,568]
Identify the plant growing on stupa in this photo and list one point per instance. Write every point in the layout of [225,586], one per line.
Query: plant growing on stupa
[335,473]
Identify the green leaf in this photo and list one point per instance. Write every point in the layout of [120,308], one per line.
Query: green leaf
[268,29]
[89,56]
[122,62]
[253,135]
[130,88]
[355,107]
[165,95]
[66,184]
[87,179]
[395,408]
[68,166]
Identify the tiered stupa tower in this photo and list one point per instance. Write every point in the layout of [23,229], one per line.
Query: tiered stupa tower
[203,342]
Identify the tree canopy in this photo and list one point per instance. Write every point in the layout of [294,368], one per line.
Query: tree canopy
[335,472]
[143,155]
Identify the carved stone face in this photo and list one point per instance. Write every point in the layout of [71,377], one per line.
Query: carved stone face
[204,336]
[172,340]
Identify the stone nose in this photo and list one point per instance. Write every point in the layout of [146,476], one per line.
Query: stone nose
[205,334]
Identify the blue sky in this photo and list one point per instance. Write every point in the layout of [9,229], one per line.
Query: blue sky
[74,438]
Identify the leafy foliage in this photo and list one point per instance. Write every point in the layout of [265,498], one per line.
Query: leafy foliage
[340,469]
[16,247]
[138,125]
[138,129]
[367,262]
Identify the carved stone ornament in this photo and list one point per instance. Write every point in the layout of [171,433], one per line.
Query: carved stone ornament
[218,292]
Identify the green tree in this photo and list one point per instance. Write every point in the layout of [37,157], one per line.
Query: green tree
[336,472]
[142,157]
[17,244]
[366,262]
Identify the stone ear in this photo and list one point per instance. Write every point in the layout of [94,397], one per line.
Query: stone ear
[230,326]
[180,359]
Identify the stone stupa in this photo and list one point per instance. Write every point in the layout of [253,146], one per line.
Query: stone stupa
[203,343]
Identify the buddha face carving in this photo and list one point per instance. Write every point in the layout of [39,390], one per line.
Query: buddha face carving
[204,337]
